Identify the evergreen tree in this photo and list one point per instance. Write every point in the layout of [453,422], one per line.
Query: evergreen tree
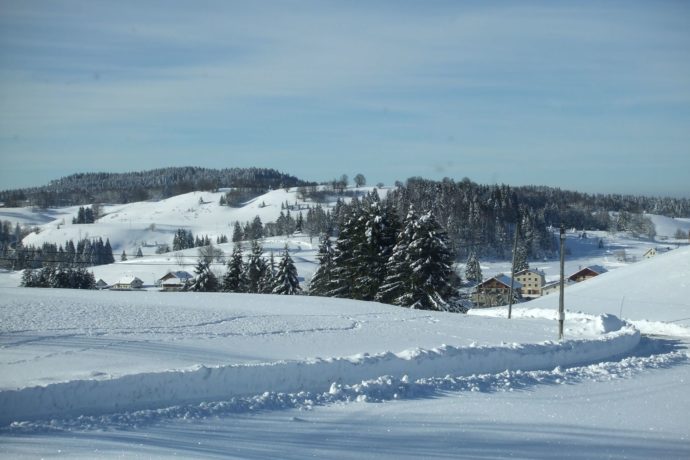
[473,270]
[139,253]
[237,234]
[108,253]
[123,257]
[286,278]
[233,280]
[398,271]
[345,265]
[267,281]
[521,258]
[320,282]
[431,267]
[205,280]
[254,270]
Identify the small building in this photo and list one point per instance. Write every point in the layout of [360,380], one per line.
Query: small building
[494,291]
[554,286]
[587,273]
[100,284]
[128,283]
[174,281]
[532,281]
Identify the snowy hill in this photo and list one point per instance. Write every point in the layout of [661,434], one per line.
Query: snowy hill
[656,289]
[145,224]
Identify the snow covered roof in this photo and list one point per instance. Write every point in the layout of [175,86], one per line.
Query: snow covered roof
[181,275]
[129,279]
[505,280]
[529,270]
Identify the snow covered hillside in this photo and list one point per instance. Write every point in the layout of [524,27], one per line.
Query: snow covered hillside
[102,374]
[145,224]
[656,289]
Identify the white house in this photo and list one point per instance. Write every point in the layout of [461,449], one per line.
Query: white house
[128,283]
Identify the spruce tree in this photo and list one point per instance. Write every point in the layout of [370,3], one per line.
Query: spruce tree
[267,281]
[123,257]
[205,280]
[286,277]
[473,270]
[345,265]
[320,282]
[398,272]
[521,258]
[254,270]
[431,267]
[233,280]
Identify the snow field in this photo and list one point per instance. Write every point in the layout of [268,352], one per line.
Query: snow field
[380,389]
[146,391]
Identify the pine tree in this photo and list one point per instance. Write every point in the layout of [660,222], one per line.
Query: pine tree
[286,278]
[139,253]
[205,280]
[267,281]
[345,265]
[123,257]
[431,267]
[398,272]
[521,258]
[237,234]
[473,270]
[233,280]
[320,282]
[254,270]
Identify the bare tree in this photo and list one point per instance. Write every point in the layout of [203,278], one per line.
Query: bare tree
[360,180]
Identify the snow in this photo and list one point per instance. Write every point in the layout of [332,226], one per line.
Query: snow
[101,374]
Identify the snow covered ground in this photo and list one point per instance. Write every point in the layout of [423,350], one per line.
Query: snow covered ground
[155,375]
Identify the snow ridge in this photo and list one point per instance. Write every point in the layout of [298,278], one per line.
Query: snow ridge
[377,390]
[148,391]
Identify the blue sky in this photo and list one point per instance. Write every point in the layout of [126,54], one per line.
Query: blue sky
[592,96]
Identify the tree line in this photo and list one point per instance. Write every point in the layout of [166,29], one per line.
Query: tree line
[81,188]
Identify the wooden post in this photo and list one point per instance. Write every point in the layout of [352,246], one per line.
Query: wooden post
[512,273]
[561,309]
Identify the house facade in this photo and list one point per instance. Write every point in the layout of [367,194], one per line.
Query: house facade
[128,283]
[174,281]
[532,282]
[494,292]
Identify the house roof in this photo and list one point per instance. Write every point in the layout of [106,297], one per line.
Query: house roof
[129,279]
[592,269]
[181,275]
[505,280]
[529,270]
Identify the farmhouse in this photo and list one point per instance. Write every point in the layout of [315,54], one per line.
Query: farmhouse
[494,291]
[100,284]
[532,282]
[587,273]
[173,281]
[128,283]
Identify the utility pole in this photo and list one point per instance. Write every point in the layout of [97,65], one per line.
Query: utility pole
[512,273]
[561,309]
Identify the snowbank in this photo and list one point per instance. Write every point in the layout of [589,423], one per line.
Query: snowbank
[155,390]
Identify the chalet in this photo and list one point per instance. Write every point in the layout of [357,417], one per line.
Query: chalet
[100,284]
[494,291]
[532,282]
[128,283]
[174,281]
[587,273]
